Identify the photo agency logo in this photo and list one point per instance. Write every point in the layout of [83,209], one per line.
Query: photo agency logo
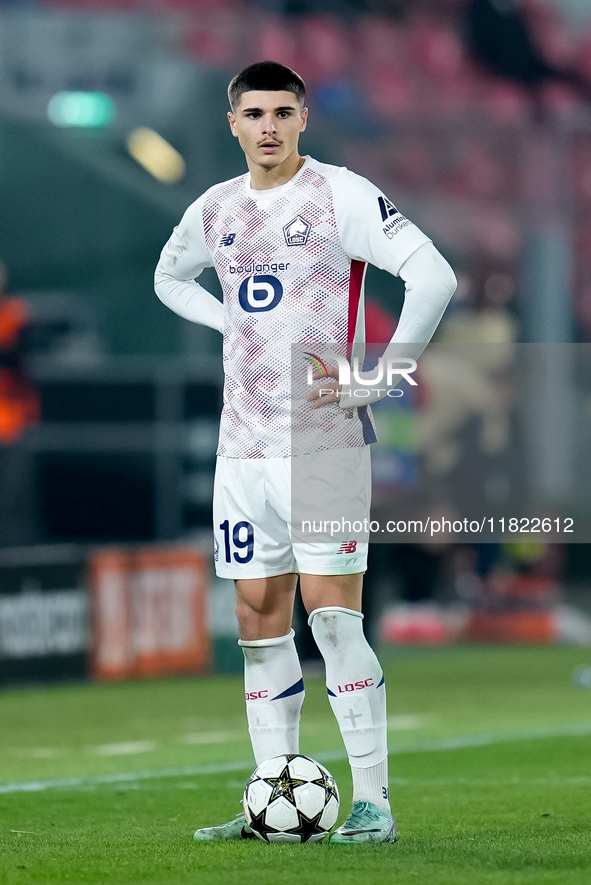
[388,372]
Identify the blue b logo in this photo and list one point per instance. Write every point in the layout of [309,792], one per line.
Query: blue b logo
[260,292]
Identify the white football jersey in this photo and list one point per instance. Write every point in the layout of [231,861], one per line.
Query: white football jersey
[291,261]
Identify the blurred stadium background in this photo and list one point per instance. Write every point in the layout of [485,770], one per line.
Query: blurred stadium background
[474,115]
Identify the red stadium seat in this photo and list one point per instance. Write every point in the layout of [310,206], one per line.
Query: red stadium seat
[276,39]
[326,45]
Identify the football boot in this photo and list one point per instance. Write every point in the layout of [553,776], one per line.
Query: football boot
[366,823]
[235,829]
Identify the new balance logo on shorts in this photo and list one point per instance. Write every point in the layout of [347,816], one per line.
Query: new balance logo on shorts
[348,547]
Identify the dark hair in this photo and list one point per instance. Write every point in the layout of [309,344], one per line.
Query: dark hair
[266,76]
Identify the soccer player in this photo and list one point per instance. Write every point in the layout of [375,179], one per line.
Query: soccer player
[290,241]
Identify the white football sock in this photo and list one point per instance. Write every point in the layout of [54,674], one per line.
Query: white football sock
[274,695]
[357,695]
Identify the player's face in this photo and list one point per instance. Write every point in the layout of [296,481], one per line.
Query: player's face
[268,126]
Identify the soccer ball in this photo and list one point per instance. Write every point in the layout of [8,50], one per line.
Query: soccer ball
[291,799]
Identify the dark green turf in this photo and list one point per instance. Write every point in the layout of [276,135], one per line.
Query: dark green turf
[512,811]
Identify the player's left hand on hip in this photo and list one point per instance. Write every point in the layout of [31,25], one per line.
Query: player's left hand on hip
[328,392]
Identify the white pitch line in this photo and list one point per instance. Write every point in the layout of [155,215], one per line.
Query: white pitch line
[461,742]
[125,777]
[124,748]
[438,745]
[406,722]
[36,752]
[212,737]
[489,782]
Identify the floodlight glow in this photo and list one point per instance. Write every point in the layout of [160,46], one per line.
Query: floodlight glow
[156,155]
[83,109]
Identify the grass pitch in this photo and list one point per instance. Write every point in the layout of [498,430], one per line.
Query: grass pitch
[490,778]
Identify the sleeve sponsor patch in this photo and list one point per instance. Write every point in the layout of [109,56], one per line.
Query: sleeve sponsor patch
[387,209]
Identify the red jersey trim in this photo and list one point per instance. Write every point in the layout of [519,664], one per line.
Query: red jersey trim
[355,286]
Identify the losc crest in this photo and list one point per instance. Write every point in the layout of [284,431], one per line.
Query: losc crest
[297,231]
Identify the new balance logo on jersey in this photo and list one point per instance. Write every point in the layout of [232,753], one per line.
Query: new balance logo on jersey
[387,208]
[296,233]
[227,240]
[348,547]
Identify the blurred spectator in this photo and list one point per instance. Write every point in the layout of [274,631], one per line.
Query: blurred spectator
[500,36]
[19,402]
[19,408]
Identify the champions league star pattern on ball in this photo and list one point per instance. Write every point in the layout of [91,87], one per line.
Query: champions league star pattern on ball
[291,261]
[291,798]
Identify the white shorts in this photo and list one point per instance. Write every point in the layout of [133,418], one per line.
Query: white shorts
[260,524]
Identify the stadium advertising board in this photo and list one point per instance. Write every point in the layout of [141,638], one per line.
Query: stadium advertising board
[149,613]
[44,628]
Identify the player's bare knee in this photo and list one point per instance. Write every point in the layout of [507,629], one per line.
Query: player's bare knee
[248,619]
[258,604]
[340,591]
[260,619]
